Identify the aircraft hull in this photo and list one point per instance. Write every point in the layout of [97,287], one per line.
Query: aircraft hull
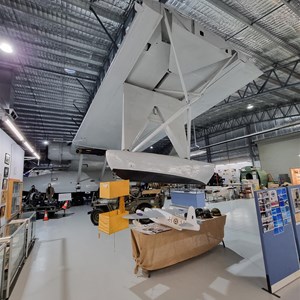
[148,167]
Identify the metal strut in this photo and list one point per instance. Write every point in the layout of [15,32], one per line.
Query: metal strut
[104,28]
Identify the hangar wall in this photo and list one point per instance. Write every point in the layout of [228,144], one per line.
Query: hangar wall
[278,156]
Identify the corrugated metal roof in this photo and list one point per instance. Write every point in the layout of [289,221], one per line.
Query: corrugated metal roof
[51,35]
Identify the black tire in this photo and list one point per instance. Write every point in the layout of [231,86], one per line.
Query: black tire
[95,215]
[142,207]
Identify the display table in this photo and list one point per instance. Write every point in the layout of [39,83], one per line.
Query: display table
[152,252]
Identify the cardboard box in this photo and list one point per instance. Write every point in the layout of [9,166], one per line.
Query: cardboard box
[272,185]
[113,221]
[114,189]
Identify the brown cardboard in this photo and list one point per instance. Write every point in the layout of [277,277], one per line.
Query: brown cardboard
[152,252]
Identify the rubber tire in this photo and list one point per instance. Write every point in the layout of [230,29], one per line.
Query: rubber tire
[142,207]
[95,215]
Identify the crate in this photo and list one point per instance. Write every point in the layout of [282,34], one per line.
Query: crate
[113,221]
[114,189]
[195,199]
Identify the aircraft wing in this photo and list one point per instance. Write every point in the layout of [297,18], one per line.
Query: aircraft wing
[145,76]
[176,210]
[145,215]
[185,225]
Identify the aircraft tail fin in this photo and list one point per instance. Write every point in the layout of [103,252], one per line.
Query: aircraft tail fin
[191,216]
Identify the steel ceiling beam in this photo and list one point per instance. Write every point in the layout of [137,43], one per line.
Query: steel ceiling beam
[45,103]
[62,20]
[291,7]
[63,96]
[48,106]
[33,49]
[47,118]
[49,127]
[248,23]
[104,28]
[34,33]
[67,89]
[279,112]
[55,73]
[61,122]
[255,89]
[53,63]
[101,11]
[48,112]
[33,130]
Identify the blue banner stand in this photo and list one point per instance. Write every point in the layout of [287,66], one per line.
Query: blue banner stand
[277,238]
[294,199]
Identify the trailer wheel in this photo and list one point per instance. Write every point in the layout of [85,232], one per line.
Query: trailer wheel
[95,215]
[142,207]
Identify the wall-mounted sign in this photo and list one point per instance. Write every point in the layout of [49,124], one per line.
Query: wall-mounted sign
[5,172]
[6,158]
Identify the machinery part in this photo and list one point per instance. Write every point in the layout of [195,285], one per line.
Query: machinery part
[142,206]
[216,212]
[95,214]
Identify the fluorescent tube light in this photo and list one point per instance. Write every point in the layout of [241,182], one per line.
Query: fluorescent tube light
[14,129]
[36,155]
[29,147]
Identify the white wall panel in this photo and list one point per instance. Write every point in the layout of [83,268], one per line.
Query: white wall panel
[278,156]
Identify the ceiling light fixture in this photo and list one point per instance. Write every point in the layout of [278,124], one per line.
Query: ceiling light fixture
[36,155]
[250,106]
[70,71]
[7,48]
[19,135]
[46,142]
[151,147]
[14,129]
[26,144]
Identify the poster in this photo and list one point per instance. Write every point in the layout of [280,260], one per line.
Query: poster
[296,199]
[265,211]
[274,210]
[295,195]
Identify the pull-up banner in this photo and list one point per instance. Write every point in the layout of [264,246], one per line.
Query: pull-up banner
[277,237]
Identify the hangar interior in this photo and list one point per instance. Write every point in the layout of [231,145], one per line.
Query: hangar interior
[60,64]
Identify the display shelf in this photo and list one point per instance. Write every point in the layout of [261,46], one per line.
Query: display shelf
[14,235]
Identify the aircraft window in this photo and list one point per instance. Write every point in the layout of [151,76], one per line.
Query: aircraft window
[54,179]
[226,50]
[92,180]
[201,33]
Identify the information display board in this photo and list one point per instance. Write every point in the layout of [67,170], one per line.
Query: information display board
[294,198]
[277,237]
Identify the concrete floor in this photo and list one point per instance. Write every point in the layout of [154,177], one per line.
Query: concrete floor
[69,262]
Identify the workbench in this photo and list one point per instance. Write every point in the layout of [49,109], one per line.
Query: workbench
[157,251]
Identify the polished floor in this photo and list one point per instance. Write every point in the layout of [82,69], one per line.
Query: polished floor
[70,262]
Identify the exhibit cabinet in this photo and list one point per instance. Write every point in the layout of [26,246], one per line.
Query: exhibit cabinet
[14,198]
